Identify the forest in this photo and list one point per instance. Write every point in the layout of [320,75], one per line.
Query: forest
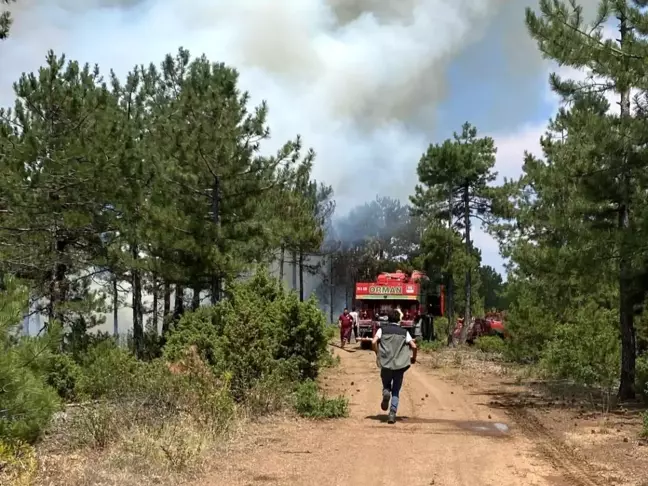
[163,180]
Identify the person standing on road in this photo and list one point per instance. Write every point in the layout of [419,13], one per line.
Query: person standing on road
[354,316]
[400,313]
[345,323]
[392,346]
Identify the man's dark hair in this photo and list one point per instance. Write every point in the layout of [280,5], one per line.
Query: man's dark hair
[393,316]
[346,308]
[353,309]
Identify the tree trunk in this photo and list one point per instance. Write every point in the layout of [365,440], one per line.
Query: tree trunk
[331,287]
[115,307]
[156,292]
[301,276]
[216,278]
[136,287]
[58,286]
[178,305]
[294,270]
[468,283]
[626,318]
[282,260]
[450,305]
[195,298]
[166,311]
[450,278]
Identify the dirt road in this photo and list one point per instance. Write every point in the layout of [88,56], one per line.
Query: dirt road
[445,436]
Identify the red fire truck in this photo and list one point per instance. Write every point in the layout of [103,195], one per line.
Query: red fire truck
[413,293]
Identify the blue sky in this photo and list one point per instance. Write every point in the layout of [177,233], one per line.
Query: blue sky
[368,83]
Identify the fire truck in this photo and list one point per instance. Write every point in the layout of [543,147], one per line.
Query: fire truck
[417,298]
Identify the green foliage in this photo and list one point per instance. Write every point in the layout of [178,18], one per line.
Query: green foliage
[644,423]
[453,190]
[63,374]
[259,330]
[26,402]
[490,344]
[309,402]
[441,328]
[430,346]
[107,369]
[5,20]
[642,375]
[586,349]
[575,230]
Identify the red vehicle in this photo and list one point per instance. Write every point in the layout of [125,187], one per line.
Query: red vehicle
[491,325]
[390,290]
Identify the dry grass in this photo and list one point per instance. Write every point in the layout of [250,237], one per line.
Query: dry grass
[99,447]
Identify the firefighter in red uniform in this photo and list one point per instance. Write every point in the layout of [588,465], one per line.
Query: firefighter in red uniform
[345,323]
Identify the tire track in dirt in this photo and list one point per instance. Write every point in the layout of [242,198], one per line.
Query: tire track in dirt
[576,470]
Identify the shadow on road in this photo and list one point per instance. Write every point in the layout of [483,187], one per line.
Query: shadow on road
[346,349]
[484,428]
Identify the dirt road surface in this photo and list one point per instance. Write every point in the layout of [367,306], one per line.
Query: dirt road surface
[445,436]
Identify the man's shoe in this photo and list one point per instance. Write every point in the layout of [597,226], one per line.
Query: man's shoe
[384,405]
[391,419]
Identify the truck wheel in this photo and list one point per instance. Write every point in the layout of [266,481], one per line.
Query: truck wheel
[365,345]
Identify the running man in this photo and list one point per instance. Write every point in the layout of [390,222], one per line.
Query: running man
[392,346]
[345,323]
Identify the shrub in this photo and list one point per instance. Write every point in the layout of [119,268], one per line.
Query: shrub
[430,346]
[26,402]
[303,335]
[441,328]
[642,375]
[585,350]
[106,370]
[490,344]
[258,332]
[644,420]
[63,374]
[309,402]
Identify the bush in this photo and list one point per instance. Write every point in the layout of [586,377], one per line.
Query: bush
[430,346]
[642,375]
[63,374]
[490,344]
[587,349]
[106,370]
[303,335]
[309,402]
[441,328]
[26,402]
[258,332]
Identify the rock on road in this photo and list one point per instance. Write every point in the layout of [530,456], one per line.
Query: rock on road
[445,436]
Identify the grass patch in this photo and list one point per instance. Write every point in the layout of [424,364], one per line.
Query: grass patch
[430,346]
[311,403]
[17,463]
[490,344]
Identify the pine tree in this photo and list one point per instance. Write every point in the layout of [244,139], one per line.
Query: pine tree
[454,178]
[53,183]
[5,20]
[618,66]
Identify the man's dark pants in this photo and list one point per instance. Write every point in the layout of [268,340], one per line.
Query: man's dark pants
[392,381]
